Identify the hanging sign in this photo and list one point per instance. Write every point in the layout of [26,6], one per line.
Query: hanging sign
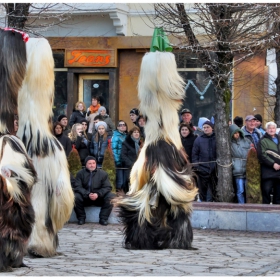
[90,58]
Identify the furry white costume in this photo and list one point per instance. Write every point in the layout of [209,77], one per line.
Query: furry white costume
[17,173]
[156,210]
[52,196]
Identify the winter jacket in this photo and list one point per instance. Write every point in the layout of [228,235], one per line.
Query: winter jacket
[267,161]
[117,141]
[98,148]
[65,142]
[100,183]
[128,153]
[77,117]
[204,150]
[239,152]
[187,143]
[82,146]
[249,135]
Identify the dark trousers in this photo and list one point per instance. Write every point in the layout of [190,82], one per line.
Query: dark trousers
[270,186]
[207,185]
[104,202]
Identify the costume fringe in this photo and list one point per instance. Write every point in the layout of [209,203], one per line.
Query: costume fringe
[17,176]
[12,71]
[156,210]
[52,197]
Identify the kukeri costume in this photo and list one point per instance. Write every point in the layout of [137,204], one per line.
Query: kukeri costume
[156,210]
[17,173]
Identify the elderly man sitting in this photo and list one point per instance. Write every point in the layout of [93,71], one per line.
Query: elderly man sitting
[92,187]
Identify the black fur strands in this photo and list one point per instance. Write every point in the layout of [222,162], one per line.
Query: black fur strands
[12,71]
[16,212]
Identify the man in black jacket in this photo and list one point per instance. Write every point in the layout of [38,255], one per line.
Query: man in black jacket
[92,187]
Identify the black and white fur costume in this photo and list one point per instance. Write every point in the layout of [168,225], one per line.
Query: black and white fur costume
[52,196]
[156,210]
[17,173]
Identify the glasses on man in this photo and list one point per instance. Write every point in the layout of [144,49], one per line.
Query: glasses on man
[122,124]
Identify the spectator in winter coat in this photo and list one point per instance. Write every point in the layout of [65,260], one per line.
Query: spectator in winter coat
[117,140]
[129,153]
[99,143]
[63,120]
[92,187]
[64,140]
[107,120]
[187,138]
[134,115]
[79,140]
[79,114]
[240,147]
[250,130]
[204,153]
[269,155]
[259,123]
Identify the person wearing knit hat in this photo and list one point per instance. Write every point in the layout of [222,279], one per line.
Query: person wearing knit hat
[208,123]
[99,142]
[101,123]
[92,187]
[110,125]
[238,121]
[259,123]
[204,159]
[63,120]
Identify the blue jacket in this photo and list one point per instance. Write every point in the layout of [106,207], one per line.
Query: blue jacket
[117,140]
[98,148]
[204,150]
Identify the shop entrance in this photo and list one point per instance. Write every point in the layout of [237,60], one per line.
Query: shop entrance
[94,85]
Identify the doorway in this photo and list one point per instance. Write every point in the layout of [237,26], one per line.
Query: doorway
[94,85]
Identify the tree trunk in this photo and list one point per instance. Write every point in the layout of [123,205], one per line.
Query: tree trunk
[277,94]
[224,190]
[17,14]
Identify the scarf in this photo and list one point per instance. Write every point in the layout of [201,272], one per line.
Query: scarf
[136,141]
[94,109]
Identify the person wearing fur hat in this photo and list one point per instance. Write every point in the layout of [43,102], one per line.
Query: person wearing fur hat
[204,154]
[240,147]
[92,187]
[259,121]
[99,142]
[110,125]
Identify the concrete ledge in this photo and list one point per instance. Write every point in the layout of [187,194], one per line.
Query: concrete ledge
[217,215]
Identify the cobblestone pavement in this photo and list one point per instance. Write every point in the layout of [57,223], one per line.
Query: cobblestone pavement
[95,250]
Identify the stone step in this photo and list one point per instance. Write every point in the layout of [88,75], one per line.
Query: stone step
[216,215]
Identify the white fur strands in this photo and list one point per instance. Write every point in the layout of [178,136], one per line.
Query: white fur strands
[17,177]
[52,197]
[161,91]
[12,71]
[35,99]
